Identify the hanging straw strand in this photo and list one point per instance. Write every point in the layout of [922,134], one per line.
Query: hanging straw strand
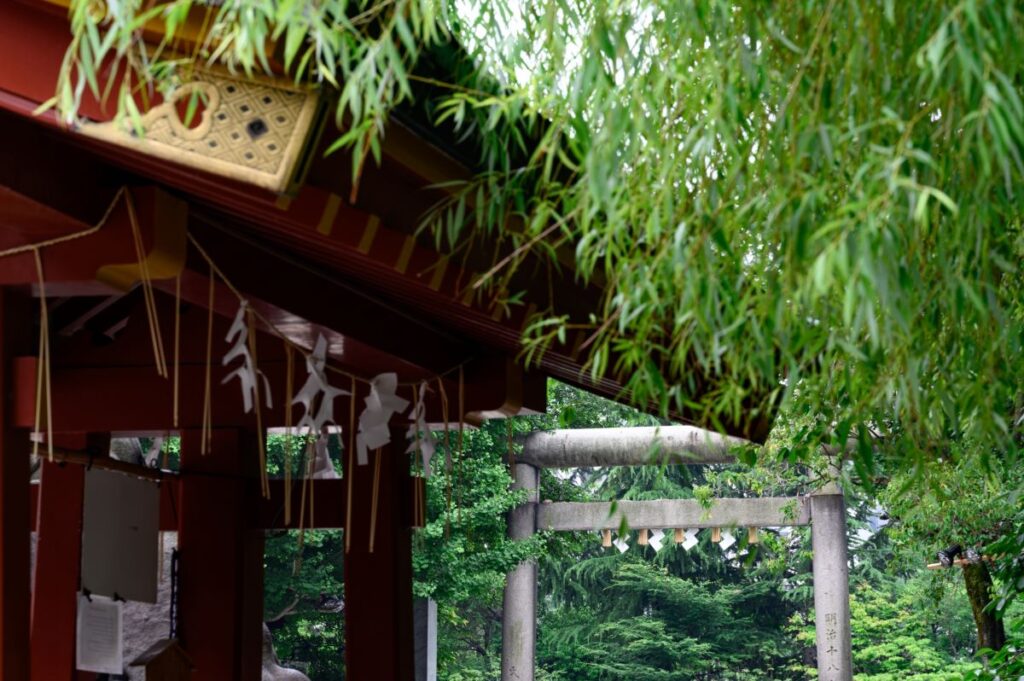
[289,388]
[447,458]
[416,462]
[147,289]
[375,497]
[43,381]
[260,435]
[17,250]
[302,503]
[462,428]
[350,470]
[177,346]
[207,396]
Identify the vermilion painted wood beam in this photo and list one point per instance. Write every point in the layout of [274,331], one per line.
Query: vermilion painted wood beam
[378,577]
[221,559]
[323,296]
[15,337]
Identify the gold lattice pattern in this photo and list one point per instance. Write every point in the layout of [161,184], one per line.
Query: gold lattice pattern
[252,131]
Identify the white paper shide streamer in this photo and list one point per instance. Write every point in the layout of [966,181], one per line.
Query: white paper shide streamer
[419,434]
[690,539]
[317,399]
[246,372]
[655,540]
[621,543]
[381,403]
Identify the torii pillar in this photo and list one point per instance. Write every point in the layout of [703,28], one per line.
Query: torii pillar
[519,615]
[831,585]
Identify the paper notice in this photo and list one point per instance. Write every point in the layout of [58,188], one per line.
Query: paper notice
[100,637]
[120,535]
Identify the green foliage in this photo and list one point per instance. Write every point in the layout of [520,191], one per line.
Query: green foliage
[897,634]
[306,634]
[893,639]
[296,577]
[806,205]
[1008,663]
[824,194]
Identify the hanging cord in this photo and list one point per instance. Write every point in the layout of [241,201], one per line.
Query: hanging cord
[260,436]
[312,487]
[417,519]
[207,434]
[147,289]
[67,237]
[447,459]
[462,428]
[177,347]
[43,366]
[350,470]
[289,387]
[307,446]
[375,497]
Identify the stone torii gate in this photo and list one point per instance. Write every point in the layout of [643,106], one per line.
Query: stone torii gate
[824,511]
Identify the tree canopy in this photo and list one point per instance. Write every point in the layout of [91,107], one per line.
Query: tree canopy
[810,204]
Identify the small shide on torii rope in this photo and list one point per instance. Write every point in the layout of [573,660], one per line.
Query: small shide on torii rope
[687,539]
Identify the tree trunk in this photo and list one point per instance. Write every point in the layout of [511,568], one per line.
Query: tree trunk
[978,579]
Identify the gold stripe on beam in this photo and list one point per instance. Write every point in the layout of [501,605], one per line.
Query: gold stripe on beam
[326,224]
[402,264]
[369,234]
[437,276]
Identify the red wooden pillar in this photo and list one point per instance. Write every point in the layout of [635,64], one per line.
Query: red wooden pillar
[57,576]
[58,568]
[378,585]
[15,339]
[221,570]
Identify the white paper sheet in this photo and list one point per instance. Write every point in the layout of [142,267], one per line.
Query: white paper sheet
[316,385]
[100,636]
[120,535]
[727,541]
[381,403]
[690,539]
[621,544]
[655,540]
[246,372]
